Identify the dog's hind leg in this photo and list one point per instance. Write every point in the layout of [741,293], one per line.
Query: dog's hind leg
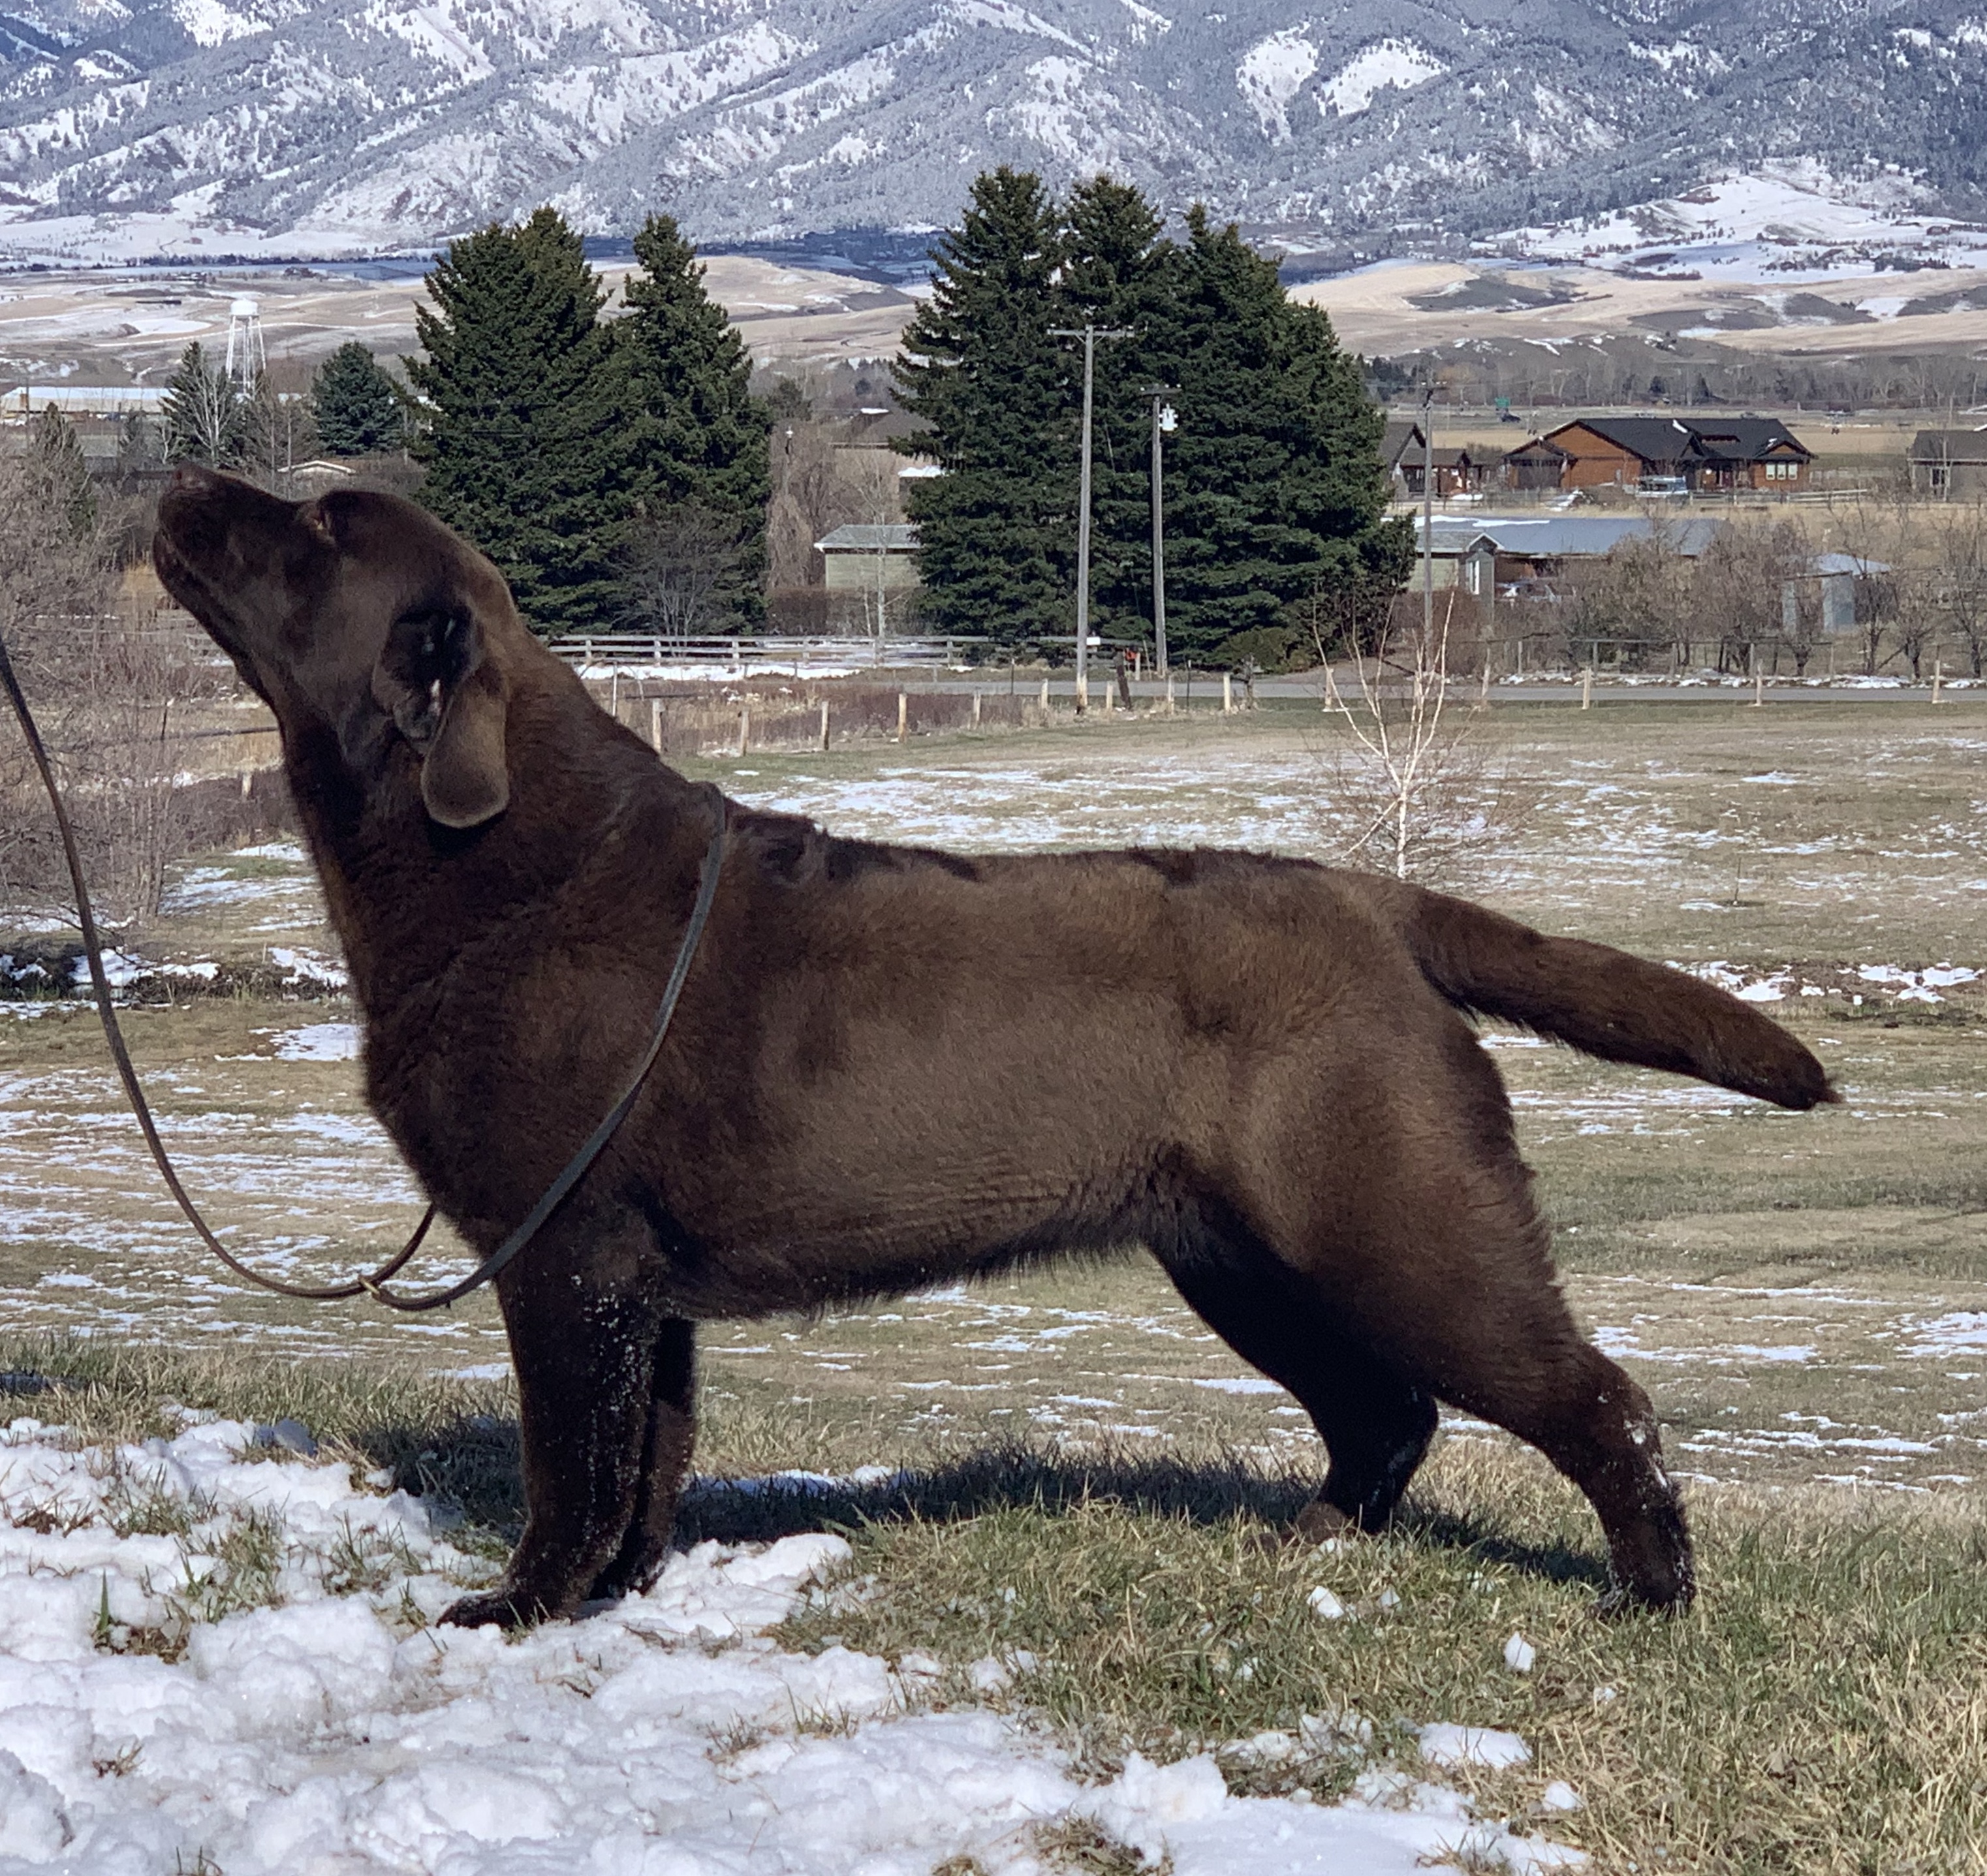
[583,1343]
[672,1437]
[1456,1293]
[1375,1424]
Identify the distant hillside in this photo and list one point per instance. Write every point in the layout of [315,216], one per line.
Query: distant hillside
[321,125]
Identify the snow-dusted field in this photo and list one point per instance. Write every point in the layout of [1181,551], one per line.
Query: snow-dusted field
[335,1733]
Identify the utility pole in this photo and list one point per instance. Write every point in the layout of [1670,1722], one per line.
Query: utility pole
[1428,522]
[1163,420]
[1089,335]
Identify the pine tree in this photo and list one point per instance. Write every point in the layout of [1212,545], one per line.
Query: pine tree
[518,421]
[356,405]
[695,437]
[996,531]
[1118,274]
[58,456]
[206,417]
[1275,495]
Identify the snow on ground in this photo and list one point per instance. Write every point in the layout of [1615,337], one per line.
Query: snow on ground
[1762,223]
[333,1734]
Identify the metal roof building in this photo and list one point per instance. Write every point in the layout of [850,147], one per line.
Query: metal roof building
[1561,537]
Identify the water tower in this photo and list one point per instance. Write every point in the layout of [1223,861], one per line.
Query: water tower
[247,358]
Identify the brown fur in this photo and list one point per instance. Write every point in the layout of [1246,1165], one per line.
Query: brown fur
[892,1067]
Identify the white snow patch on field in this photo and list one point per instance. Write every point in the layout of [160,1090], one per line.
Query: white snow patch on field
[334,1730]
[322,1042]
[1963,1332]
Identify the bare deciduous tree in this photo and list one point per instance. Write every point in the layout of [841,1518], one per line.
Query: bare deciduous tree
[678,562]
[1415,787]
[104,684]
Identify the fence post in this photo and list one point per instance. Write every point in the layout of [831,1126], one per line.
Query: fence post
[903,716]
[1227,694]
[1938,678]
[1110,697]
[976,710]
[1586,687]
[1045,700]
[655,724]
[1759,679]
[744,728]
[1172,706]
[824,725]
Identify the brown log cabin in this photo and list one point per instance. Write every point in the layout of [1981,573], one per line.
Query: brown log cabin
[1704,456]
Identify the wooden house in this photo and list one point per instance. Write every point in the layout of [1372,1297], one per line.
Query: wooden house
[1949,462]
[1697,456]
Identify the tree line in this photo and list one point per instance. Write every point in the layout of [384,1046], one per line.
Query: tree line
[615,463]
[1274,495]
[1920,593]
[591,458]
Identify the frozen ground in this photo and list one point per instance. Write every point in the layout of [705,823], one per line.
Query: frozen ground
[332,1732]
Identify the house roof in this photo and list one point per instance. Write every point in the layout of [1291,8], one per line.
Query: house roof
[1949,446]
[1561,537]
[1673,439]
[1394,440]
[871,537]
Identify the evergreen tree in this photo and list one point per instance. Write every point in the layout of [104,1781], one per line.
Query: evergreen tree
[695,438]
[1118,274]
[518,427]
[205,415]
[356,405]
[997,536]
[51,438]
[1274,492]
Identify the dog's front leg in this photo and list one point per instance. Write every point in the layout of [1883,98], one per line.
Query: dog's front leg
[585,1336]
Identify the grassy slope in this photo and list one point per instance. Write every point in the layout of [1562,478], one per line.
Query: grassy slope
[1825,1707]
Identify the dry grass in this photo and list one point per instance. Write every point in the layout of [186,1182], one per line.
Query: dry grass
[1075,1483]
[1822,1709]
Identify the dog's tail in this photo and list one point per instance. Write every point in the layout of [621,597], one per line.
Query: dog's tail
[1599,999]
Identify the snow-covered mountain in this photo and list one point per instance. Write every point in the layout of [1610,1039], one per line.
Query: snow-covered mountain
[321,125]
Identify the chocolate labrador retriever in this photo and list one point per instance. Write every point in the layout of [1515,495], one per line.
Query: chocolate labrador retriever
[893,1068]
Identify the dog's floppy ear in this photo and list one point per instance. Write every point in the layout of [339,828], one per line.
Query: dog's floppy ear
[447,698]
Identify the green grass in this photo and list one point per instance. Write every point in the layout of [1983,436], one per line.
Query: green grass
[1823,1708]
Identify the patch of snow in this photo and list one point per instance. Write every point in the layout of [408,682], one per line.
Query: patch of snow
[1270,73]
[1400,63]
[1444,1744]
[332,1730]
[322,1042]
[1964,1332]
[208,23]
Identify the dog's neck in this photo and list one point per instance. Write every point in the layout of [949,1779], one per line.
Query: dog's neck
[409,899]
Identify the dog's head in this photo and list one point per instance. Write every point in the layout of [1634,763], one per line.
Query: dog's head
[359,613]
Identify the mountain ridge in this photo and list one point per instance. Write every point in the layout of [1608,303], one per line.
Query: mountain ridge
[363,126]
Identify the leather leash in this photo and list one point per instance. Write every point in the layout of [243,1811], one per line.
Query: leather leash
[374,1283]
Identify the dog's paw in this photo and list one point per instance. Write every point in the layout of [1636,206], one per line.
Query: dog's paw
[495,1609]
[1319,1522]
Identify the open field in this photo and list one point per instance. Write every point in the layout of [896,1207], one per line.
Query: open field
[113,325]
[1088,1470]
[1398,306]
